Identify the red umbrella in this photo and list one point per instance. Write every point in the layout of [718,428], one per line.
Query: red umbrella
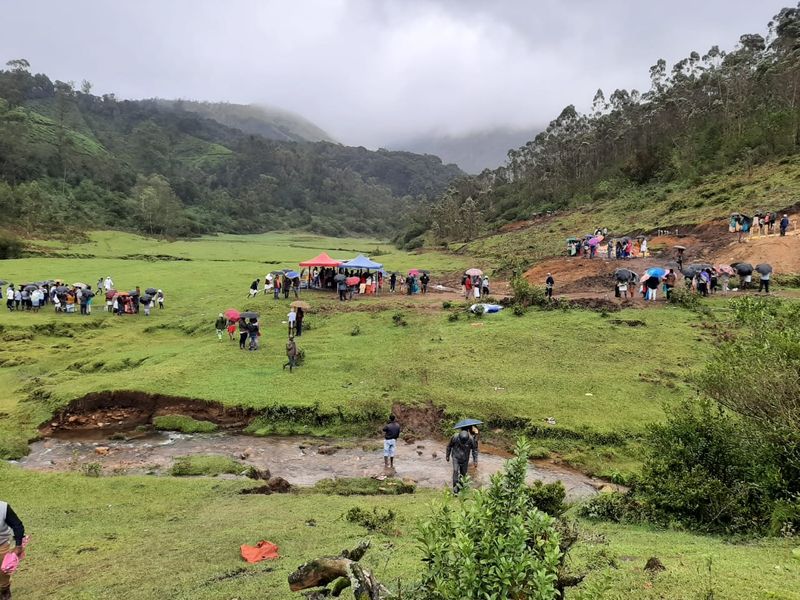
[110,294]
[352,280]
[232,314]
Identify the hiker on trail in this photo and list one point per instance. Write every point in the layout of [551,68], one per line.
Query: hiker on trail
[548,286]
[99,284]
[460,447]
[643,248]
[292,319]
[391,432]
[763,282]
[220,325]
[10,527]
[392,282]
[296,287]
[299,321]
[253,289]
[784,224]
[242,333]
[291,354]
[670,279]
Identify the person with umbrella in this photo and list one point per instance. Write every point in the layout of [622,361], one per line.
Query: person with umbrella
[299,320]
[242,333]
[10,297]
[291,354]
[391,433]
[461,445]
[548,286]
[276,287]
[286,284]
[764,273]
[253,331]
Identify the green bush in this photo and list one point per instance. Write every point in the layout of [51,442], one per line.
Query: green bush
[605,507]
[205,464]
[547,497]
[785,517]
[491,543]
[10,246]
[364,486]
[380,520]
[685,298]
[355,331]
[399,320]
[183,424]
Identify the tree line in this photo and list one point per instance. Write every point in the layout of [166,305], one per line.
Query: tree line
[705,113]
[72,159]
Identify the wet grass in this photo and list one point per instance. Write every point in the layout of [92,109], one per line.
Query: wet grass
[138,538]
[183,424]
[205,464]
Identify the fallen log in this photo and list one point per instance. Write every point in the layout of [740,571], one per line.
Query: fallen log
[327,569]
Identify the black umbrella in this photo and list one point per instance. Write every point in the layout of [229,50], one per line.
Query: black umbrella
[133,293]
[151,291]
[743,268]
[62,289]
[464,423]
[29,288]
[623,274]
[764,268]
[625,240]
[249,315]
[147,298]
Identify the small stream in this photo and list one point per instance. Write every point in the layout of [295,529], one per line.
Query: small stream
[300,461]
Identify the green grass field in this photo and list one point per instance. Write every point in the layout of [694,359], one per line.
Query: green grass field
[162,537]
[140,538]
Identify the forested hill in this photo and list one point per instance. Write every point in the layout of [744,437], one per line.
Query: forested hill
[269,122]
[70,159]
[707,114]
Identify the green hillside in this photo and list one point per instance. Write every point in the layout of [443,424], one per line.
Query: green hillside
[70,159]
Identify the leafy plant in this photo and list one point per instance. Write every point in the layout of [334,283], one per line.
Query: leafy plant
[183,424]
[380,520]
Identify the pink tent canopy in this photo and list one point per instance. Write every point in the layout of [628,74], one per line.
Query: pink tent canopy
[323,260]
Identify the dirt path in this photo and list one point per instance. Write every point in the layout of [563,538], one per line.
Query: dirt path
[300,461]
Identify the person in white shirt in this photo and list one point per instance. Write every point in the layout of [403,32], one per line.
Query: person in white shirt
[108,284]
[10,297]
[292,316]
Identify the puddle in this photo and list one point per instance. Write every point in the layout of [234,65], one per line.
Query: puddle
[296,459]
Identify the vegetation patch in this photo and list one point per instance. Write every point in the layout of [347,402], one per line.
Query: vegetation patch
[183,424]
[209,465]
[365,486]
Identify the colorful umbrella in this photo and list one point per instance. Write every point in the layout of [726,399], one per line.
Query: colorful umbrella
[472,272]
[656,272]
[594,241]
[232,314]
[725,269]
[292,274]
[414,272]
[110,294]
[352,281]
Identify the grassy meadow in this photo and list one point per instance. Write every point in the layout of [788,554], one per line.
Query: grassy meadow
[137,538]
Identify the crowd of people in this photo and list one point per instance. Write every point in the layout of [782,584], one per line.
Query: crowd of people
[474,284]
[761,223]
[80,297]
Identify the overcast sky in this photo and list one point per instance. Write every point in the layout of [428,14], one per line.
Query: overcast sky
[373,71]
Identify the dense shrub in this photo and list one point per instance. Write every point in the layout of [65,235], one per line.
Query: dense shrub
[492,543]
[183,424]
[685,298]
[10,246]
[364,486]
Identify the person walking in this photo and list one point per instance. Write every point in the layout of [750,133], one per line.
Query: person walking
[460,447]
[467,286]
[11,527]
[291,354]
[276,287]
[485,285]
[391,432]
[286,284]
[108,284]
[10,297]
[670,279]
[292,319]
[548,286]
[253,289]
[784,225]
[299,321]
[253,331]
[424,279]
[392,282]
[160,298]
[220,325]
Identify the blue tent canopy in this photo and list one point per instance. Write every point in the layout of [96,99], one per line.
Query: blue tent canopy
[361,262]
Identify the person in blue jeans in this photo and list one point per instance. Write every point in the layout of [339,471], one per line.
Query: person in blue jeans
[391,431]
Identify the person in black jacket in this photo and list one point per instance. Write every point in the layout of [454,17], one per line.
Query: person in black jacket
[460,447]
[10,527]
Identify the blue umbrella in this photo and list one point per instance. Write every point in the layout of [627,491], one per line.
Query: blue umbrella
[463,423]
[292,274]
[656,272]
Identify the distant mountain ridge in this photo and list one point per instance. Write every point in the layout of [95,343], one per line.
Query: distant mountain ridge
[266,121]
[472,152]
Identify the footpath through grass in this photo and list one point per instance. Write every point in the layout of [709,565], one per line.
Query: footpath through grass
[138,538]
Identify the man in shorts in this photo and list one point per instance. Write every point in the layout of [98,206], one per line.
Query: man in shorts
[390,434]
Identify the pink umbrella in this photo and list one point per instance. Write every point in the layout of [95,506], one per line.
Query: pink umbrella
[594,241]
[725,269]
[413,272]
[352,280]
[232,314]
[472,272]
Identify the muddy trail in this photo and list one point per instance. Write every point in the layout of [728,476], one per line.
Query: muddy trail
[301,461]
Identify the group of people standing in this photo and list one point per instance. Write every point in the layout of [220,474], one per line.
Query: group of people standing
[473,286]
[249,329]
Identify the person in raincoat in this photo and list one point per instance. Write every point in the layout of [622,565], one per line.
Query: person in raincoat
[461,445]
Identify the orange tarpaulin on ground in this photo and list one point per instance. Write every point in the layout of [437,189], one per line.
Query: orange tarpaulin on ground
[262,551]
